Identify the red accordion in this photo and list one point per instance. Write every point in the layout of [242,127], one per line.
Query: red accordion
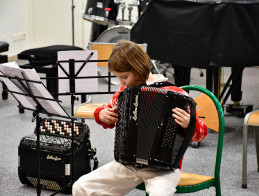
[146,133]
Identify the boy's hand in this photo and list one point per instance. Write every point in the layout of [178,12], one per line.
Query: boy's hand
[182,117]
[108,116]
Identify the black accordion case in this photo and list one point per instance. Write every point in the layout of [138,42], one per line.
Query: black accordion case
[146,133]
[55,154]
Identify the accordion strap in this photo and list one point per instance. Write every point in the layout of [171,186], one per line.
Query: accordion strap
[161,84]
[189,134]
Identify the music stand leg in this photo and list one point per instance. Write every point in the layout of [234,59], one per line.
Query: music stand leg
[38,120]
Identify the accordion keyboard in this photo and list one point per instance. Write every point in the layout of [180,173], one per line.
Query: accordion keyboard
[60,127]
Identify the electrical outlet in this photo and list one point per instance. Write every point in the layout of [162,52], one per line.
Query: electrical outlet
[14,37]
[19,36]
[24,36]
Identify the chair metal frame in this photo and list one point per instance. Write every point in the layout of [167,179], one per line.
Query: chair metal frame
[215,180]
[251,120]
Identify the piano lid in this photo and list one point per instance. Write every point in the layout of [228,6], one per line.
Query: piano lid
[200,33]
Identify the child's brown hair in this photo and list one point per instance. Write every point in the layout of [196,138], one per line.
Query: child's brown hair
[128,56]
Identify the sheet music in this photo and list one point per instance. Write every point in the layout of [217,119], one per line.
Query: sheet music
[12,69]
[90,69]
[35,86]
[13,64]
[39,90]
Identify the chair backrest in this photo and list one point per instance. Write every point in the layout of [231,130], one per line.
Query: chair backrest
[221,123]
[205,104]
[105,50]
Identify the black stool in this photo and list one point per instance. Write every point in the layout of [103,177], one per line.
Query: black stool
[44,60]
[4,59]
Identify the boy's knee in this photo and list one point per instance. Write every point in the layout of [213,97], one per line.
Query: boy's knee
[76,189]
[162,191]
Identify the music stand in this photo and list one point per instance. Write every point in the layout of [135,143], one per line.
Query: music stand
[26,87]
[72,75]
[75,73]
[37,99]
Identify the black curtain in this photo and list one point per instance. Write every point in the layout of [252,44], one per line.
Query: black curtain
[202,33]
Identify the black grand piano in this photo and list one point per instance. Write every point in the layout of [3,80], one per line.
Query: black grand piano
[203,34]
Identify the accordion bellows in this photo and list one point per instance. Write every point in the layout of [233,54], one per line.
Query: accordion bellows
[146,133]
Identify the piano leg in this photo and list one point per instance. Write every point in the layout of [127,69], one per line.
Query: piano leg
[236,94]
[213,77]
[182,75]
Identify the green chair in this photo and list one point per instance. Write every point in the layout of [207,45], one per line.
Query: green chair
[209,108]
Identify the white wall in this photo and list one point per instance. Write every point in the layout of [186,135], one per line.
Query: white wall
[36,23]
[51,22]
[14,24]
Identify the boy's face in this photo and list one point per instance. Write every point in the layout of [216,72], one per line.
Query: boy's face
[128,79]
